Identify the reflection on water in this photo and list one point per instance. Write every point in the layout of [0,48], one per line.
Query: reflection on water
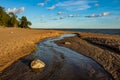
[61,64]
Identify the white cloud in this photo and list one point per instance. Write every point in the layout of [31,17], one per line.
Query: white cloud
[77,15]
[75,5]
[51,8]
[60,13]
[62,17]
[93,15]
[98,15]
[59,18]
[55,19]
[15,10]
[41,4]
[70,15]
[73,15]
[96,5]
[106,13]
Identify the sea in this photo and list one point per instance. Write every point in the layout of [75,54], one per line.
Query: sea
[102,31]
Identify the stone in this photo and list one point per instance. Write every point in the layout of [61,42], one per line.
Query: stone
[68,43]
[37,64]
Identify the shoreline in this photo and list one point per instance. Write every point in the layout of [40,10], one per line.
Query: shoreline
[21,42]
[57,65]
[93,46]
[16,43]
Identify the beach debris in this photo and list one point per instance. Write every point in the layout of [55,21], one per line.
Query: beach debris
[67,43]
[37,64]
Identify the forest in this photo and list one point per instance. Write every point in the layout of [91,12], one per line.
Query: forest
[11,20]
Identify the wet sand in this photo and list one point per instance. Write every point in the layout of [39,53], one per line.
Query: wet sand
[16,43]
[104,49]
[61,64]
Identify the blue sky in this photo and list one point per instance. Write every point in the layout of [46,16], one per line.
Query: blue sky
[67,13]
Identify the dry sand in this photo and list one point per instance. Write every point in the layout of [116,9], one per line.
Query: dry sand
[16,43]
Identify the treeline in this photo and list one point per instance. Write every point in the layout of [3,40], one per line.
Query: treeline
[11,20]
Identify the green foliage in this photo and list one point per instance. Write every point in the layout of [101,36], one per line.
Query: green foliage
[24,23]
[4,17]
[10,20]
[13,22]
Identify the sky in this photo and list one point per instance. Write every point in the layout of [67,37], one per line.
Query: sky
[82,14]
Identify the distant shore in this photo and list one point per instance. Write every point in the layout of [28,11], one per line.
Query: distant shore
[104,49]
[16,43]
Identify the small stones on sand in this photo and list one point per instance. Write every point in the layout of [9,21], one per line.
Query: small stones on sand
[67,43]
[37,64]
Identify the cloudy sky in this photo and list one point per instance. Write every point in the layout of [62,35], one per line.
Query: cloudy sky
[67,13]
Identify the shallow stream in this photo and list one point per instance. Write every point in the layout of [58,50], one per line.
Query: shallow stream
[61,64]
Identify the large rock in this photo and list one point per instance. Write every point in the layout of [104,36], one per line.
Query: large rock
[67,43]
[37,64]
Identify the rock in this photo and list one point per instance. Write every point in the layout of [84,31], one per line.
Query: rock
[67,43]
[37,64]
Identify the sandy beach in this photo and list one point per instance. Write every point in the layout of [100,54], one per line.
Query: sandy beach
[60,63]
[59,40]
[16,43]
